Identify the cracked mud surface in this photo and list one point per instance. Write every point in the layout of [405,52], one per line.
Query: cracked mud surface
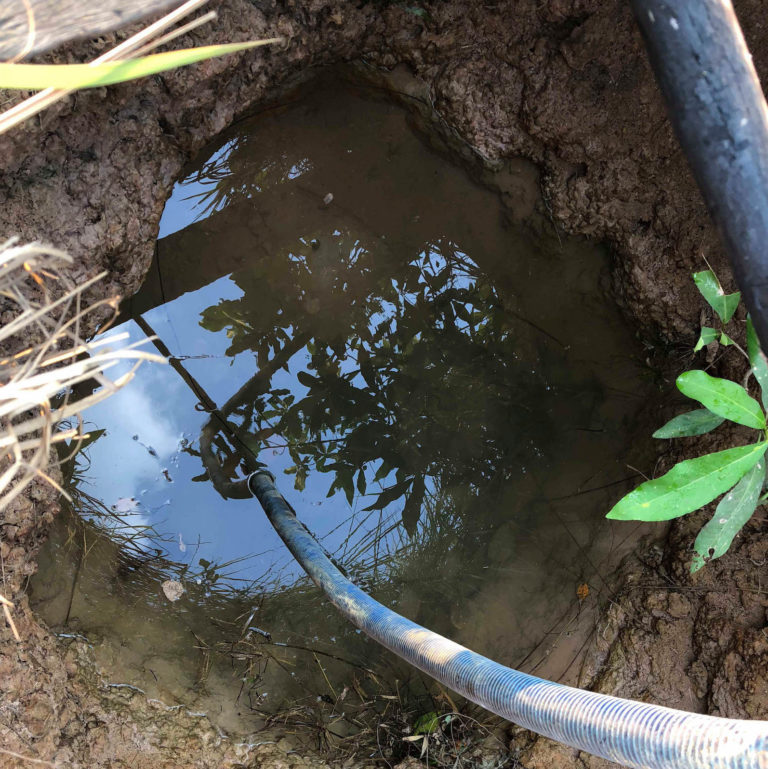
[564,84]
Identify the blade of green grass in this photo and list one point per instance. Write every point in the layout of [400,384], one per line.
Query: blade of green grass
[33,77]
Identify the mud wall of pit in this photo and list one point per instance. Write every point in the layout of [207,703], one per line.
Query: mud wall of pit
[565,84]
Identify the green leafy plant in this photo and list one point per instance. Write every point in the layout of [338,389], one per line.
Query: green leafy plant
[737,473]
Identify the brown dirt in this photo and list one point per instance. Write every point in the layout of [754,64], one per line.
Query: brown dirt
[565,84]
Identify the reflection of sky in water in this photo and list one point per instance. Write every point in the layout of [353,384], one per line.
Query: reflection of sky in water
[258,204]
[149,422]
[184,206]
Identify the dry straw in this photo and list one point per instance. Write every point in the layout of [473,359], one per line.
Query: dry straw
[49,372]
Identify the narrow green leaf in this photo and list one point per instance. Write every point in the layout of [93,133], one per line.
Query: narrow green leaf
[707,336]
[758,360]
[695,422]
[725,340]
[688,486]
[36,77]
[732,512]
[709,286]
[722,397]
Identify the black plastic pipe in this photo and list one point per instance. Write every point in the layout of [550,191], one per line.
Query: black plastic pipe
[718,111]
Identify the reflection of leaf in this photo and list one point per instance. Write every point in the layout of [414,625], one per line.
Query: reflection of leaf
[90,437]
[301,478]
[384,470]
[733,511]
[307,379]
[389,495]
[412,509]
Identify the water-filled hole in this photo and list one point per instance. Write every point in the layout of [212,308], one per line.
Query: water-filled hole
[441,384]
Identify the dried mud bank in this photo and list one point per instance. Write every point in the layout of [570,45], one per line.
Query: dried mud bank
[563,84]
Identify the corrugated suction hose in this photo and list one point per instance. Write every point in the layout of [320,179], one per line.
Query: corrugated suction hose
[632,733]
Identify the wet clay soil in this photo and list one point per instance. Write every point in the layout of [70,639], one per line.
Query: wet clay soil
[565,85]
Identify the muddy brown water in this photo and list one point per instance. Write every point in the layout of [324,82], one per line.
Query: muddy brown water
[441,385]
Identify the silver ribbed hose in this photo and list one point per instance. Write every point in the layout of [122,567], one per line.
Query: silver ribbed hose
[632,733]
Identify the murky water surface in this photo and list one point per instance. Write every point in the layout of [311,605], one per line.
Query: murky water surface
[442,391]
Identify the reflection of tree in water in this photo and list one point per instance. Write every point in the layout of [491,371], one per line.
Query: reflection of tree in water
[413,376]
[237,172]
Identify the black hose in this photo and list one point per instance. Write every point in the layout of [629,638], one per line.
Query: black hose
[717,108]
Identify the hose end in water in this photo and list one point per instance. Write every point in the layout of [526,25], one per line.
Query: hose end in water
[250,480]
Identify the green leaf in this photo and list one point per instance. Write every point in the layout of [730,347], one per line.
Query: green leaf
[709,286]
[722,397]
[707,336]
[758,361]
[725,340]
[426,723]
[695,422]
[733,511]
[36,77]
[688,486]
